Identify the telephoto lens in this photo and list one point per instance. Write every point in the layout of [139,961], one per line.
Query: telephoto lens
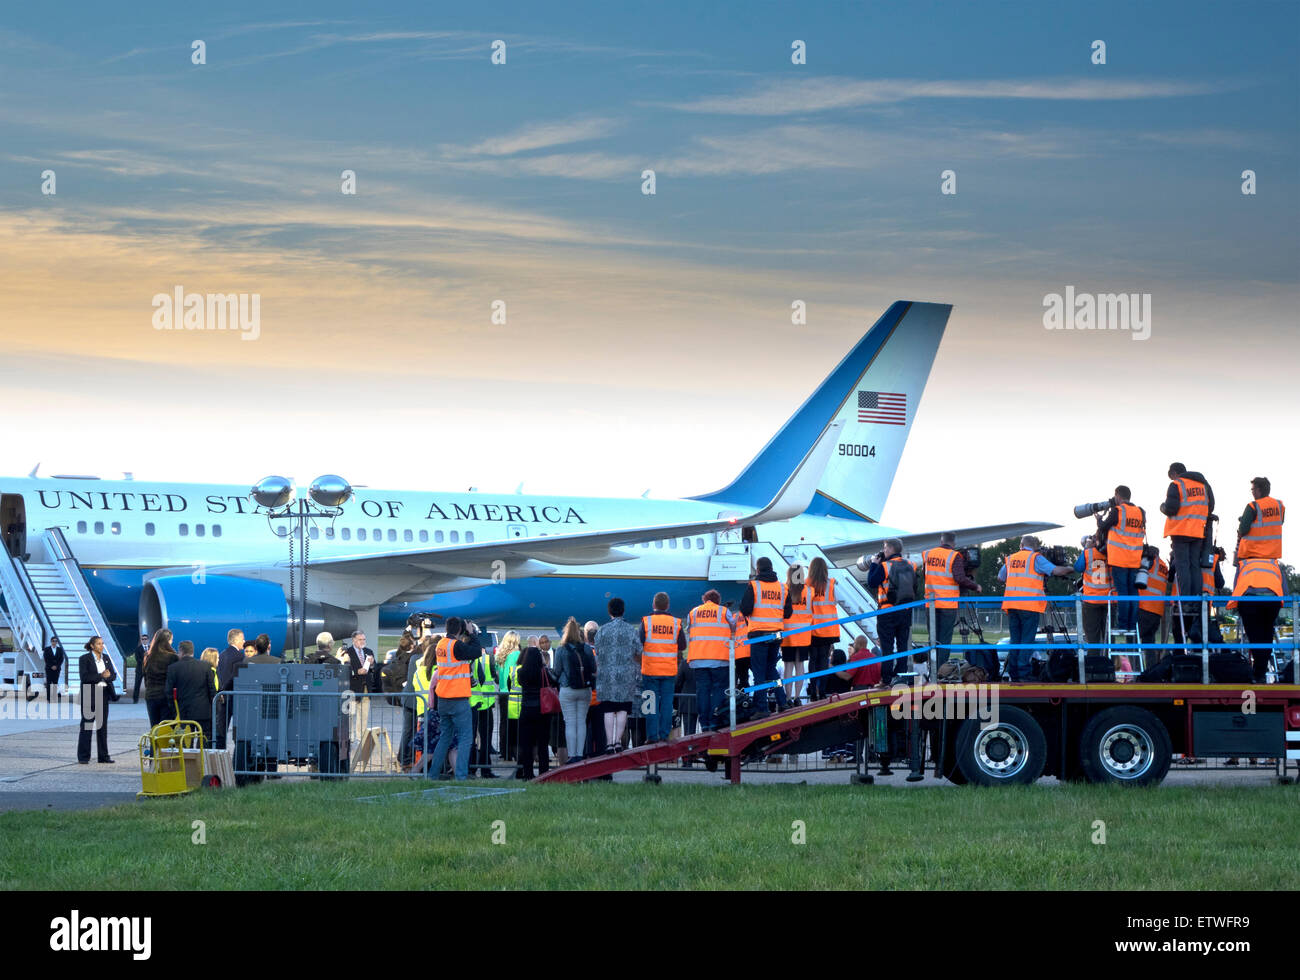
[1087,510]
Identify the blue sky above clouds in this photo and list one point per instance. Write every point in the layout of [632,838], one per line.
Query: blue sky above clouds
[522,181]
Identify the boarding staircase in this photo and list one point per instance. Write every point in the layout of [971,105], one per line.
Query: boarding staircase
[733,561]
[45,598]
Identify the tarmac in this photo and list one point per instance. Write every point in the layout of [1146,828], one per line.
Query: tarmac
[39,769]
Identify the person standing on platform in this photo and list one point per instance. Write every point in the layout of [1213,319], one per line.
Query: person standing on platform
[662,641]
[762,605]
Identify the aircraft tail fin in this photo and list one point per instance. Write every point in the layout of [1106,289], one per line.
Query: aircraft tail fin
[875,392]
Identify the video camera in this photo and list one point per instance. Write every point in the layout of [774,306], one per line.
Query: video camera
[416,620]
[971,556]
[1054,553]
[1088,510]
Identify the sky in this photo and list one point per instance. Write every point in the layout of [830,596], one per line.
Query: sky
[636,323]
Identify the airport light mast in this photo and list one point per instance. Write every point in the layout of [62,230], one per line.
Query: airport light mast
[275,497]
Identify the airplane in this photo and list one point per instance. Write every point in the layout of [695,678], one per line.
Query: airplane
[199,558]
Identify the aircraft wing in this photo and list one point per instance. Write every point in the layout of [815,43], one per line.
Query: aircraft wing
[527,555]
[912,543]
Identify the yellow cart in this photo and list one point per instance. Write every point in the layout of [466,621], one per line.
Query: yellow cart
[172,759]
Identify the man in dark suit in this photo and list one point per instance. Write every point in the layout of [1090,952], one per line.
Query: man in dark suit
[54,660]
[192,681]
[141,649]
[363,677]
[229,658]
[97,677]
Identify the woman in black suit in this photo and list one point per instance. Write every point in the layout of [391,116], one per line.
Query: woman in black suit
[156,661]
[97,677]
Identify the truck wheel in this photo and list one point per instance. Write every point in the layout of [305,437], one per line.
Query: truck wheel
[242,761]
[1125,745]
[1012,751]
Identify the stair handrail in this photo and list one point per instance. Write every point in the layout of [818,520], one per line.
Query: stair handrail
[56,545]
[27,619]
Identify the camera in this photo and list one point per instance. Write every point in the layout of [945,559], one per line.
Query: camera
[1087,510]
[864,563]
[1149,556]
[1054,553]
[419,620]
[971,556]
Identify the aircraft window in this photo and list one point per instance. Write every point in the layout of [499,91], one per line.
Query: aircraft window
[699,543]
[149,529]
[81,527]
[378,535]
[198,530]
[672,543]
[455,537]
[686,543]
[347,534]
[99,527]
[659,544]
[314,532]
[115,528]
[216,530]
[437,537]
[280,531]
[424,535]
[392,535]
[185,530]
[361,534]
[407,535]
[469,536]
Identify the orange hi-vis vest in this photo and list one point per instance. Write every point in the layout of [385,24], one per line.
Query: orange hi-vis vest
[1264,539]
[1096,576]
[708,635]
[453,675]
[801,614]
[742,634]
[1193,510]
[825,611]
[1207,577]
[939,582]
[1023,584]
[659,653]
[1124,540]
[1258,573]
[769,607]
[1157,584]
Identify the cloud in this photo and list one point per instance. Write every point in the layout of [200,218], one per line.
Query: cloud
[541,135]
[788,96]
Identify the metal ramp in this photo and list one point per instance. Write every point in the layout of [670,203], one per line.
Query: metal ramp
[838,718]
[50,598]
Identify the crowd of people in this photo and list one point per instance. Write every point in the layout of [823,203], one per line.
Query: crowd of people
[609,685]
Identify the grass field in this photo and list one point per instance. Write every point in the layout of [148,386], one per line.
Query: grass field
[635,836]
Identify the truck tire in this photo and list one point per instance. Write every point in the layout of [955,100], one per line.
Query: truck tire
[1014,751]
[1125,745]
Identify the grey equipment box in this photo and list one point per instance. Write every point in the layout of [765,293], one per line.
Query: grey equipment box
[1233,732]
[290,713]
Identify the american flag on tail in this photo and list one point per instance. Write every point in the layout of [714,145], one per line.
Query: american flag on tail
[884,407]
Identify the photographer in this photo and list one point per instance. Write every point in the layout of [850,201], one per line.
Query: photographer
[945,578]
[1124,529]
[455,653]
[1025,601]
[1189,501]
[1096,588]
[1259,529]
[1151,613]
[893,580]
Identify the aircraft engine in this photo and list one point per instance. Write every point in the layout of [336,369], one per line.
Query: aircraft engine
[203,608]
